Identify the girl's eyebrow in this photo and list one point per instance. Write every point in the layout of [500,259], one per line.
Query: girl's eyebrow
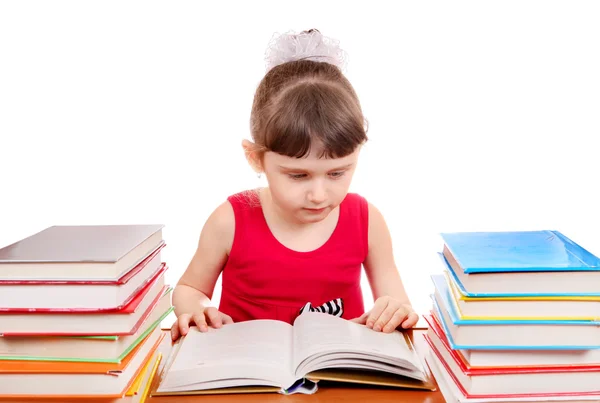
[286,168]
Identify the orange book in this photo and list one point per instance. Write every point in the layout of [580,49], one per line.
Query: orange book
[58,382]
[66,367]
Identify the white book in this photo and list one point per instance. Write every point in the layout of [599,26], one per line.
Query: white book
[79,253]
[82,297]
[86,349]
[277,354]
[111,323]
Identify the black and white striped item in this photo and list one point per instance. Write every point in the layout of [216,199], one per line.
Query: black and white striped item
[334,307]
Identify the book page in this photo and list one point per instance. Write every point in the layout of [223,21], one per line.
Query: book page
[239,352]
[317,335]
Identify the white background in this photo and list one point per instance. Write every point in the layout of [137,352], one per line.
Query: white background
[483,115]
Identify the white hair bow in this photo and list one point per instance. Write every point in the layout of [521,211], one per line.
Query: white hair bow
[307,45]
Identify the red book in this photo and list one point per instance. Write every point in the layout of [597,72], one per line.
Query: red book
[510,381]
[80,295]
[99,322]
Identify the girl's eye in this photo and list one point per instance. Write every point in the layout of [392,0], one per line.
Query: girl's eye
[337,174]
[297,176]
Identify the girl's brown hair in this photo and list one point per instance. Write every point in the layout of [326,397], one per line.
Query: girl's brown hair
[306,103]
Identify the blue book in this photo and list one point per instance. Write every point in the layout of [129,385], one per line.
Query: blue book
[524,284]
[510,334]
[517,251]
[459,344]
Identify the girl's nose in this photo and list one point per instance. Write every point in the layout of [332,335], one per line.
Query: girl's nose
[317,194]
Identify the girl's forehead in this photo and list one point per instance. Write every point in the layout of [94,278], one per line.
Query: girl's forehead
[313,161]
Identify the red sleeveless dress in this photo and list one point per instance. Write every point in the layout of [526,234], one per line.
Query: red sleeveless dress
[263,279]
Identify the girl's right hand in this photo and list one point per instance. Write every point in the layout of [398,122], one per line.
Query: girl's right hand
[207,317]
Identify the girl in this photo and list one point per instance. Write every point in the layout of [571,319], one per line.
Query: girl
[300,243]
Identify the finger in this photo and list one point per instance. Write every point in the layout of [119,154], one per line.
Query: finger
[213,317]
[226,319]
[184,324]
[175,331]
[362,319]
[400,315]
[385,317]
[200,322]
[410,321]
[376,312]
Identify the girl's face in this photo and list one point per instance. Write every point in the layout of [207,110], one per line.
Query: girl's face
[308,189]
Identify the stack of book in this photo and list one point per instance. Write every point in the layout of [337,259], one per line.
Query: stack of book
[515,318]
[80,311]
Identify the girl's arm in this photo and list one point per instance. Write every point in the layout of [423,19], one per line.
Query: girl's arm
[380,265]
[392,307]
[191,297]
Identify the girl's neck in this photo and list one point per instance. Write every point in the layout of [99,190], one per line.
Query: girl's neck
[294,235]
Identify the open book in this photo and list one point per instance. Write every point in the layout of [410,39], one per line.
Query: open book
[269,355]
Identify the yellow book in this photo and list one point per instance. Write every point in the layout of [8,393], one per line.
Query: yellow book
[135,386]
[146,391]
[582,308]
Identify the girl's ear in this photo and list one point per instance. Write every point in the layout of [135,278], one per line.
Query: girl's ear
[253,155]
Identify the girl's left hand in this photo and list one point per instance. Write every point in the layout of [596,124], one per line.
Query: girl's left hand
[387,314]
